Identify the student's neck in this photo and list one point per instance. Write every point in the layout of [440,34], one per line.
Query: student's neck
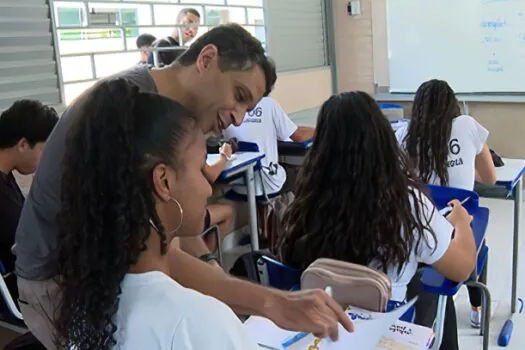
[151,259]
[6,162]
[175,82]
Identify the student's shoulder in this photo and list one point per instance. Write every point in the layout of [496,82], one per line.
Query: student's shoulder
[465,120]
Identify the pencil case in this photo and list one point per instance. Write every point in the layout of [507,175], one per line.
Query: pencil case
[352,284]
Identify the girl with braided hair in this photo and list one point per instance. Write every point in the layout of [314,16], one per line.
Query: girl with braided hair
[455,149]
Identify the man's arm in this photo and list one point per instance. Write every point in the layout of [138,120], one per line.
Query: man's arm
[310,311]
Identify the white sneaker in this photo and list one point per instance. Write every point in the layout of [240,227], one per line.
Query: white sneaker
[475,318]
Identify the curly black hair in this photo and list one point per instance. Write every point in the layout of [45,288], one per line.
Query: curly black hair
[107,202]
[355,192]
[29,119]
[427,140]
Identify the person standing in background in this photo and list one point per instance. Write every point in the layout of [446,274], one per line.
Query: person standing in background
[144,42]
[188,21]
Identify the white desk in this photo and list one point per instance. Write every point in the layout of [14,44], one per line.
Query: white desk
[244,162]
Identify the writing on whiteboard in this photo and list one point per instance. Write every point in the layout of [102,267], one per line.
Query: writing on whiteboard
[493,24]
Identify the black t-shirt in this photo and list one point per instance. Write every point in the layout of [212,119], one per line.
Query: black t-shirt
[165,57]
[11,203]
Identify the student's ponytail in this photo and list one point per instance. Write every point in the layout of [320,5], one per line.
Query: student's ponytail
[107,204]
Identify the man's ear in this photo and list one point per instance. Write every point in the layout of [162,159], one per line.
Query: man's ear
[207,58]
[163,182]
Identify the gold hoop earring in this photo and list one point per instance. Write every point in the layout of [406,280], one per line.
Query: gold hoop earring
[181,218]
[181,214]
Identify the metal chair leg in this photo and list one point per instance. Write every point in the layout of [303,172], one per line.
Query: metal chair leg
[439,322]
[215,230]
[487,311]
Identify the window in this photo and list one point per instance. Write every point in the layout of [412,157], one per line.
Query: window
[97,38]
[296,33]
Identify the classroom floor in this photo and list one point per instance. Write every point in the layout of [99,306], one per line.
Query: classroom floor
[499,240]
[500,243]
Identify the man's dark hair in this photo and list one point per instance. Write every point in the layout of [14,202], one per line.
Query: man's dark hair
[27,119]
[185,11]
[145,40]
[238,50]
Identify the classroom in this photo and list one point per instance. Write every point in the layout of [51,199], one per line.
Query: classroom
[262,174]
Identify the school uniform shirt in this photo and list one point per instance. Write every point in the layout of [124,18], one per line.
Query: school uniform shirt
[428,251]
[266,124]
[155,312]
[466,141]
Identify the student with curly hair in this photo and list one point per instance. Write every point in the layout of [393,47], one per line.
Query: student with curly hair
[128,188]
[456,152]
[358,200]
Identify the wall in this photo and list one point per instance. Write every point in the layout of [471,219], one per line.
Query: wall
[362,61]
[299,102]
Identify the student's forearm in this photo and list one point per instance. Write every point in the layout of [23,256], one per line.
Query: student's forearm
[303,133]
[243,297]
[212,172]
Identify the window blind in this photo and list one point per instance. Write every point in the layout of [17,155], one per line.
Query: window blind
[296,33]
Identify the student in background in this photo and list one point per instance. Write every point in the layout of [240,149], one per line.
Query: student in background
[24,129]
[456,152]
[264,125]
[144,41]
[219,214]
[358,200]
[127,191]
[188,21]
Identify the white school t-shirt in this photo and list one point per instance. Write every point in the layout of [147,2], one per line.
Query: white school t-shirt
[265,125]
[466,142]
[422,253]
[155,312]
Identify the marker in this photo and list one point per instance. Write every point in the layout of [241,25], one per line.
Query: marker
[445,211]
[297,337]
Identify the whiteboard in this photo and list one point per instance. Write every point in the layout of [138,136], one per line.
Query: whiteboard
[478,46]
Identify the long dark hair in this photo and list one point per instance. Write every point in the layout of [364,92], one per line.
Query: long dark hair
[108,201]
[354,192]
[427,141]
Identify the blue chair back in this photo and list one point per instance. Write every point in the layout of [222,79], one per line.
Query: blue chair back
[390,106]
[442,195]
[279,275]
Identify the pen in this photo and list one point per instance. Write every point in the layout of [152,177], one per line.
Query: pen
[301,335]
[445,211]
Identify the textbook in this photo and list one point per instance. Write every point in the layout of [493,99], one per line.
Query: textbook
[373,331]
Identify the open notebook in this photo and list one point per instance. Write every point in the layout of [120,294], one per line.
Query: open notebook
[374,331]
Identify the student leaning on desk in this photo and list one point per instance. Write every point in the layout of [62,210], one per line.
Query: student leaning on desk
[207,81]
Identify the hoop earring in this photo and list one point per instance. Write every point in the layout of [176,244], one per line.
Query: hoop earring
[181,218]
[181,215]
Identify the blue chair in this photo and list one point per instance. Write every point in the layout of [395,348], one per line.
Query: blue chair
[277,275]
[435,283]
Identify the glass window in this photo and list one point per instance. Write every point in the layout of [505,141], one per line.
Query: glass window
[76,68]
[111,63]
[255,16]
[256,3]
[220,15]
[167,14]
[71,91]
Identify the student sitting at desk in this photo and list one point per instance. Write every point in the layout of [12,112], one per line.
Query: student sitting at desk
[358,200]
[24,129]
[127,191]
[264,125]
[219,214]
[456,152]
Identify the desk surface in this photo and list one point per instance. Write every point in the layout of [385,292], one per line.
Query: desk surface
[241,159]
[508,174]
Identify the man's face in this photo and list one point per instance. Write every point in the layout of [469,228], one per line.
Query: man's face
[223,98]
[191,27]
